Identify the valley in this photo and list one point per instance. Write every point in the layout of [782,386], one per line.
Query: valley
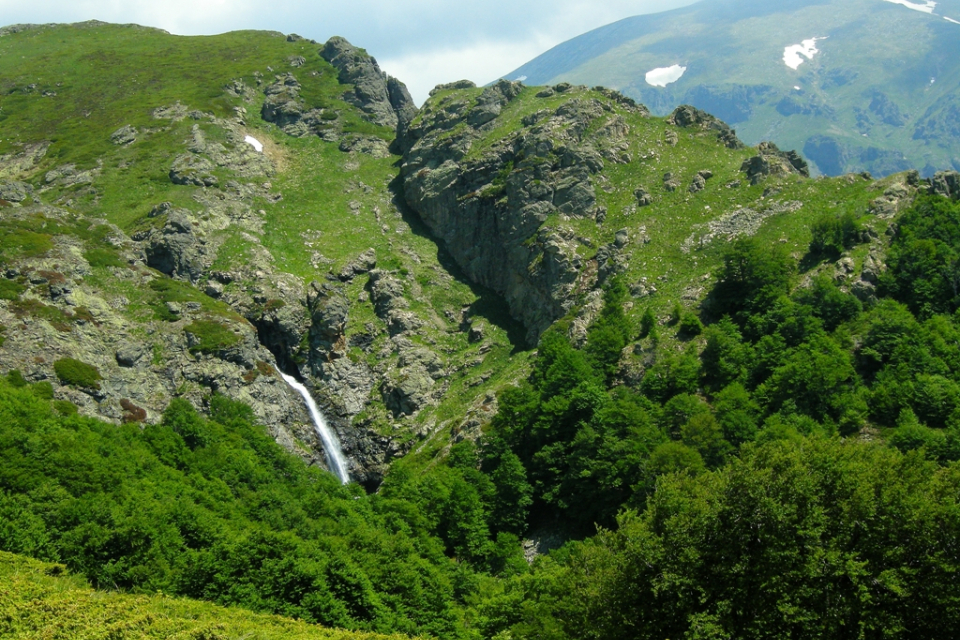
[524,362]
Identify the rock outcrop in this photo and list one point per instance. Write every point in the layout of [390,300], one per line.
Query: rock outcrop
[383,99]
[770,161]
[946,184]
[490,208]
[688,117]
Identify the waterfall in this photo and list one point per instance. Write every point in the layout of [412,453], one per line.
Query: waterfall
[338,464]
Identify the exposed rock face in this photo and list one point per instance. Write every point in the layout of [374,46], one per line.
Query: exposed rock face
[14,164]
[385,100]
[771,161]
[689,117]
[143,366]
[490,209]
[947,184]
[15,191]
[175,248]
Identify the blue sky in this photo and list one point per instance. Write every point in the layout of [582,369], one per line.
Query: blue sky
[422,42]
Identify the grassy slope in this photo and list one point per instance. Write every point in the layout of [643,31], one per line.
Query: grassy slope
[675,217]
[109,76]
[40,600]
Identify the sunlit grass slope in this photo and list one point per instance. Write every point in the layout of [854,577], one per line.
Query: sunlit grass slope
[42,600]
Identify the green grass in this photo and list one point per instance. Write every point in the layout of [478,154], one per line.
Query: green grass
[103,257]
[42,600]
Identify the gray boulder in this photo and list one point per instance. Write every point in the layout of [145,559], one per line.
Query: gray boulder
[124,135]
[129,354]
[175,248]
[15,191]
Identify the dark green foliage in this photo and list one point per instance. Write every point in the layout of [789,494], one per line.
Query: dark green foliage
[726,358]
[834,234]
[702,433]
[752,276]
[829,303]
[673,373]
[76,373]
[648,324]
[689,326]
[582,447]
[737,414]
[924,259]
[65,407]
[16,379]
[800,538]
[216,510]
[513,495]
[611,331]
[815,379]
[42,389]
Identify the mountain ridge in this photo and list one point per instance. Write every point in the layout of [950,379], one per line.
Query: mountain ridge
[732,53]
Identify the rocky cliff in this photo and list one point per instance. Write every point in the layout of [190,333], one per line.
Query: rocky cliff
[511,185]
[196,238]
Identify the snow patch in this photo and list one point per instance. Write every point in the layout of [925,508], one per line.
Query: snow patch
[794,54]
[926,7]
[663,76]
[253,142]
[521,79]
[951,20]
[796,88]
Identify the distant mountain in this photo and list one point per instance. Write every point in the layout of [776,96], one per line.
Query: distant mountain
[854,84]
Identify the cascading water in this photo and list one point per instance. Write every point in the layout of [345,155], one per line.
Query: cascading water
[338,464]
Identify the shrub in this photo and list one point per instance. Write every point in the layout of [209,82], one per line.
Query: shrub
[834,234]
[210,336]
[27,244]
[77,374]
[36,309]
[648,323]
[10,290]
[102,257]
[690,326]
[42,390]
[131,412]
[16,379]
[65,407]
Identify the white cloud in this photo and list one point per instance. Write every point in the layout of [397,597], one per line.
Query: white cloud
[482,63]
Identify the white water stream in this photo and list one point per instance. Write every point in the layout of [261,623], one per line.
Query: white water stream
[338,464]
